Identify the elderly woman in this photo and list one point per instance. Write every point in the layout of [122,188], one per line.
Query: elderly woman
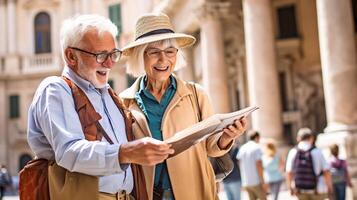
[162,105]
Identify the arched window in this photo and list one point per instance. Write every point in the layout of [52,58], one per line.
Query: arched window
[24,158]
[42,33]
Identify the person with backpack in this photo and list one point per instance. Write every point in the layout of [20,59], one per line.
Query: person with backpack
[307,171]
[339,174]
[5,180]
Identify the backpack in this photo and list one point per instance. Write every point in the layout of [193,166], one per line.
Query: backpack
[338,172]
[304,175]
[5,179]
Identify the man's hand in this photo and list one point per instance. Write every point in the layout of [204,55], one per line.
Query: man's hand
[292,191]
[328,181]
[265,187]
[289,177]
[144,151]
[349,184]
[232,132]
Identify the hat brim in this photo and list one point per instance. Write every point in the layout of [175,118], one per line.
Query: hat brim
[183,40]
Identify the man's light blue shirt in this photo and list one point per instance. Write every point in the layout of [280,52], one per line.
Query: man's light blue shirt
[55,132]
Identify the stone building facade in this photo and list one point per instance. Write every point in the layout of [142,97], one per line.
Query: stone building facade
[295,59]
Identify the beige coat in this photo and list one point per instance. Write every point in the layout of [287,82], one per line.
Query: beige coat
[190,172]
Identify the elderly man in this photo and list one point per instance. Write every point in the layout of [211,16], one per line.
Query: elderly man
[77,120]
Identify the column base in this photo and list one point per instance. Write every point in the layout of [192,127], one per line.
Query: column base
[346,138]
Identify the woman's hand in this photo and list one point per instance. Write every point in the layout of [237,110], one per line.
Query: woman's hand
[232,132]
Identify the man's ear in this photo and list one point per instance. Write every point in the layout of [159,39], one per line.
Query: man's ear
[70,57]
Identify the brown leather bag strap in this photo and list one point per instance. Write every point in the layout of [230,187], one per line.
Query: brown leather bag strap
[93,129]
[102,132]
[88,117]
[194,91]
[129,120]
[139,190]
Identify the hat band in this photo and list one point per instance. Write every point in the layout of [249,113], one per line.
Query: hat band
[155,32]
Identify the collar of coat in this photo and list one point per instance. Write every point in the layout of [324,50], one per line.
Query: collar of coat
[182,89]
[128,96]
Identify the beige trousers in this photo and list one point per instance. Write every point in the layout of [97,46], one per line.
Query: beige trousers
[256,192]
[117,196]
[307,196]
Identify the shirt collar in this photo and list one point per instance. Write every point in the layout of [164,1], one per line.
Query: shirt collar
[304,145]
[142,84]
[80,82]
[181,88]
[173,83]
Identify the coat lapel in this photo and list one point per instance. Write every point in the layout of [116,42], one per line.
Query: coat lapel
[128,97]
[181,92]
[140,118]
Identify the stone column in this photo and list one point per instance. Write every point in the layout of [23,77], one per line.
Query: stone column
[3,34]
[339,70]
[76,7]
[263,86]
[338,61]
[12,62]
[11,26]
[187,73]
[214,69]
[3,119]
[85,6]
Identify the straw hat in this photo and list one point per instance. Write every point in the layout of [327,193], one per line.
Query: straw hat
[154,27]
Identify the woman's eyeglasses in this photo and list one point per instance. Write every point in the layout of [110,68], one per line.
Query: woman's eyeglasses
[156,53]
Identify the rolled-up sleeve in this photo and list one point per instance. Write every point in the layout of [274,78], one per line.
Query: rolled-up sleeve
[55,113]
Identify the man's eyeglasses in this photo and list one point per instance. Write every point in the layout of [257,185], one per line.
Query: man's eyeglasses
[156,53]
[102,57]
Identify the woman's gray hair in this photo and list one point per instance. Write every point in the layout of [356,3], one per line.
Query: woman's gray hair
[135,62]
[73,29]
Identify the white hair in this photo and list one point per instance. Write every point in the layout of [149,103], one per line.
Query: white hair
[73,29]
[135,62]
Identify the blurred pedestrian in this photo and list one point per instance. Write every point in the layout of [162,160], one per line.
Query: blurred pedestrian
[5,180]
[339,174]
[273,169]
[250,164]
[307,171]
[232,183]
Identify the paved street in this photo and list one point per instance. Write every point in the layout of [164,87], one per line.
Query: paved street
[284,195]
[11,198]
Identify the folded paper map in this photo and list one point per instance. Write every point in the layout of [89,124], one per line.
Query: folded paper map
[198,132]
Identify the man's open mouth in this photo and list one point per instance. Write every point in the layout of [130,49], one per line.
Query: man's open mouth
[102,73]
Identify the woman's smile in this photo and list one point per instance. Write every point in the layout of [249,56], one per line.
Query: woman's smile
[161,68]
